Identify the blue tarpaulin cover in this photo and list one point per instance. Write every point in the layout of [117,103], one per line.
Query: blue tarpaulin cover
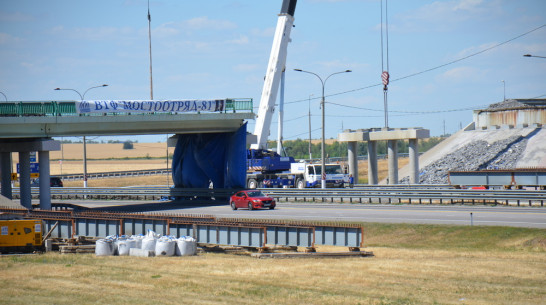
[219,158]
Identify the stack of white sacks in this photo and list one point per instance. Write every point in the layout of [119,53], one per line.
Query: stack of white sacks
[149,245]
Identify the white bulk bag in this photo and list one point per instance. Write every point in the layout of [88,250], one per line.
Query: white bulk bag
[164,247]
[148,242]
[104,247]
[124,245]
[138,240]
[186,245]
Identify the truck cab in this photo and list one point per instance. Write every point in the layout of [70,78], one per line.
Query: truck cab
[311,175]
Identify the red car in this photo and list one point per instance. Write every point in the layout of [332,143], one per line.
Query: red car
[251,199]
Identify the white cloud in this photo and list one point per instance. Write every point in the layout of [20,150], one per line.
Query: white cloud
[339,64]
[7,39]
[247,67]
[15,17]
[201,23]
[443,15]
[462,74]
[99,33]
[471,50]
[267,32]
[239,41]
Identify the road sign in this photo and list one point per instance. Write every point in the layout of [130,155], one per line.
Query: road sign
[34,168]
[32,156]
[385,77]
[34,175]
[14,176]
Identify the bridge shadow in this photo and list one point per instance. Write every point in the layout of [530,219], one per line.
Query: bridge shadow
[159,206]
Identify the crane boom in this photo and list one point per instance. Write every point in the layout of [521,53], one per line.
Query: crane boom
[277,61]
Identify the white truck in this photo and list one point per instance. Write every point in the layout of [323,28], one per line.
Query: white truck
[309,175]
[301,175]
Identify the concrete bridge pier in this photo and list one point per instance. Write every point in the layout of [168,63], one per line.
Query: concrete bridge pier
[5,170]
[24,179]
[24,146]
[414,161]
[392,136]
[353,159]
[45,185]
[372,163]
[392,153]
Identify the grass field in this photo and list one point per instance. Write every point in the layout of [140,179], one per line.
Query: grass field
[413,264]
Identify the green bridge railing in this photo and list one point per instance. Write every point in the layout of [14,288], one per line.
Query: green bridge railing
[68,108]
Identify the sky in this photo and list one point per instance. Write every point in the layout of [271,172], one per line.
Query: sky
[445,58]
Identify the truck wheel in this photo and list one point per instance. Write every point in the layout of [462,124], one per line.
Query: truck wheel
[300,183]
[233,207]
[252,183]
[250,207]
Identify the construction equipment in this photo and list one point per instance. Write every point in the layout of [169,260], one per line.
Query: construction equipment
[20,235]
[277,61]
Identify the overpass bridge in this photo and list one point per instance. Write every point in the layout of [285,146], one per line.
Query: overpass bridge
[28,126]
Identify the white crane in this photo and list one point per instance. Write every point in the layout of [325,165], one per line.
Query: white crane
[277,61]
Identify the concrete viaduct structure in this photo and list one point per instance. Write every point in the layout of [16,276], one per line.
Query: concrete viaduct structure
[29,126]
[392,136]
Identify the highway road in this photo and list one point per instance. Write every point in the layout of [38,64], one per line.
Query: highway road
[534,217]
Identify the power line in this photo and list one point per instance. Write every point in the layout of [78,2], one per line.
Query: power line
[430,69]
[303,133]
[412,112]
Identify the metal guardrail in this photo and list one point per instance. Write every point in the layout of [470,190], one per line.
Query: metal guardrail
[408,195]
[116,174]
[383,194]
[102,193]
[205,229]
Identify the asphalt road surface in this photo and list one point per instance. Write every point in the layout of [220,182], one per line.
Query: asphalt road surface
[534,217]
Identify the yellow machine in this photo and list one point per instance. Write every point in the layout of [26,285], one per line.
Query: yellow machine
[20,235]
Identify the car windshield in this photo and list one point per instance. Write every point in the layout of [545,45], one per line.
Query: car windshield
[255,194]
[330,169]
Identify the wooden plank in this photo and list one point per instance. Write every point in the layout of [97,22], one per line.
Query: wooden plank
[313,254]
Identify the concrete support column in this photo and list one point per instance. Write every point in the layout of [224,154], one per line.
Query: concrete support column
[393,161]
[5,169]
[353,159]
[372,163]
[45,187]
[414,161]
[24,179]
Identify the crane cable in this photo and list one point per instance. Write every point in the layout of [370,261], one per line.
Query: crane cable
[385,73]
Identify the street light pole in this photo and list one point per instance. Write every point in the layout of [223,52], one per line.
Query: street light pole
[84,142]
[4,96]
[529,55]
[322,157]
[310,154]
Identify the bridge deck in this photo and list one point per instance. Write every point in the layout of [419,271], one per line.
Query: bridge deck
[60,118]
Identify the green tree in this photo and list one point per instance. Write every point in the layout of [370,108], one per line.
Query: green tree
[128,145]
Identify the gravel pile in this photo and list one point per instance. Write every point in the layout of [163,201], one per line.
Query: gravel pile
[508,104]
[477,155]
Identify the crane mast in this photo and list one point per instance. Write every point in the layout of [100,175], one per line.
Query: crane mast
[277,61]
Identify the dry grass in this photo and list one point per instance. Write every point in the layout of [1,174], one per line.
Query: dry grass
[413,264]
[156,180]
[382,169]
[74,151]
[393,276]
[98,166]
